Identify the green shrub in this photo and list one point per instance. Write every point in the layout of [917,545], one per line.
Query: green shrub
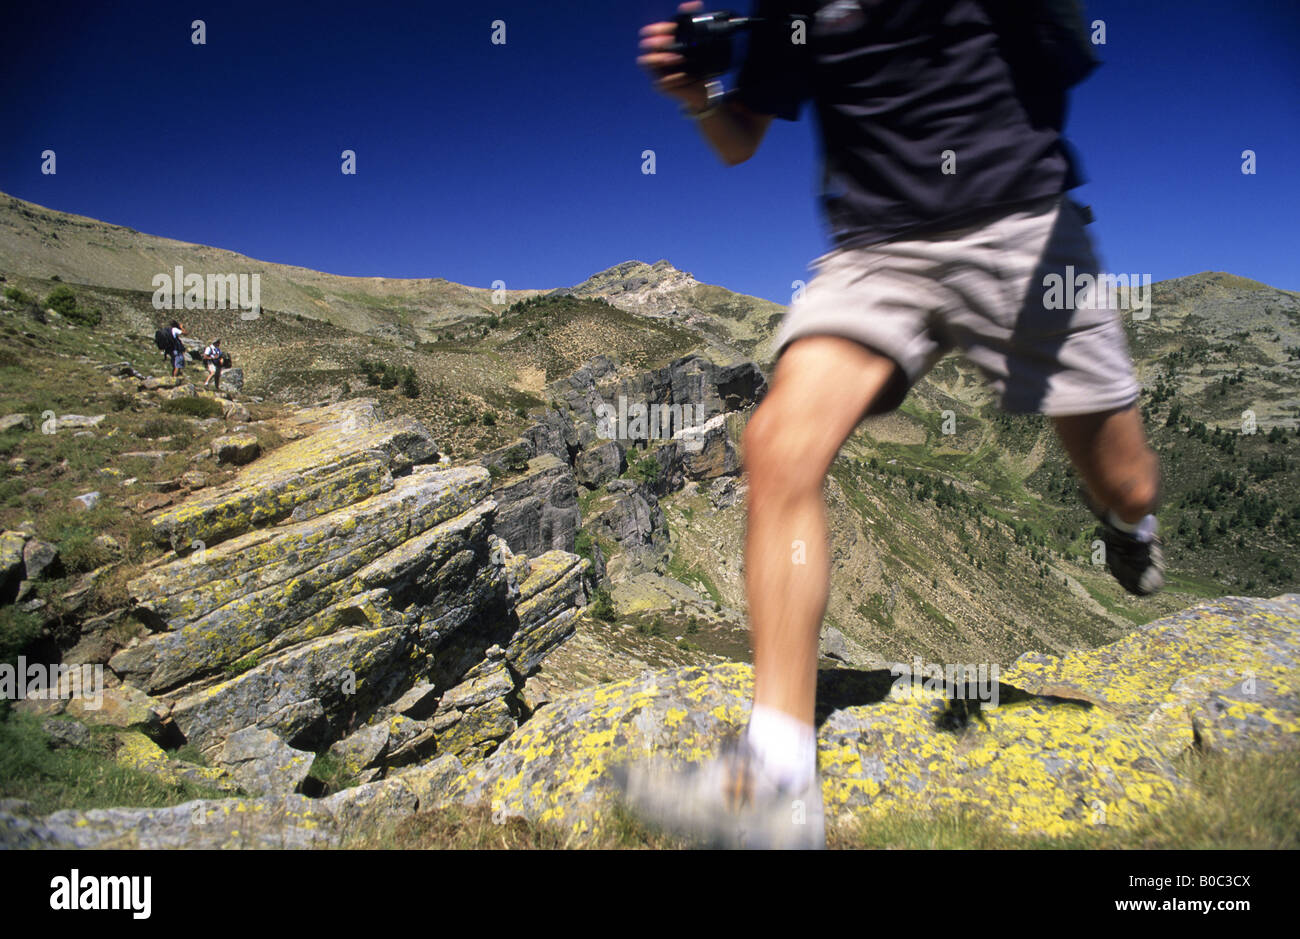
[602,605]
[84,317]
[642,469]
[64,302]
[75,536]
[193,407]
[490,418]
[157,427]
[410,387]
[17,631]
[247,663]
[331,772]
[15,295]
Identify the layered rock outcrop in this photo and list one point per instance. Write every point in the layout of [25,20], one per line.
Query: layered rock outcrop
[322,585]
[1091,738]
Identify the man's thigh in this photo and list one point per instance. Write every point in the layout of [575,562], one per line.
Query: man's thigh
[821,389]
[881,298]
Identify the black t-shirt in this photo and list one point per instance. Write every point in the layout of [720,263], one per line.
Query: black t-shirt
[897,84]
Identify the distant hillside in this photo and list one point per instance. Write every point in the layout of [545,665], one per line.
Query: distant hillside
[42,243]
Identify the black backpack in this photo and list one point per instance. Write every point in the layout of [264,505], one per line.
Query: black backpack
[225,360]
[1048,38]
[163,339]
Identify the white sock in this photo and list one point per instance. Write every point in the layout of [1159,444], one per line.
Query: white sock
[786,747]
[1144,529]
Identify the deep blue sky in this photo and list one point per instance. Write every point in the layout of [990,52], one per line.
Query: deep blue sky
[522,163]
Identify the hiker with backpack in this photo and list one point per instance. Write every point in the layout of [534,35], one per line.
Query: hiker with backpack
[168,341]
[945,175]
[216,361]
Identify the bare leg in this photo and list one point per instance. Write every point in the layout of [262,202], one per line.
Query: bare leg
[822,388]
[1111,454]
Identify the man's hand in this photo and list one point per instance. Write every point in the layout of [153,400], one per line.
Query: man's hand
[732,130]
[665,67]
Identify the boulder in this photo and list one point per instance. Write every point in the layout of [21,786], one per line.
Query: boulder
[548,605]
[237,449]
[234,412]
[494,683]
[345,569]
[262,763]
[78,421]
[41,559]
[361,750]
[124,707]
[536,693]
[706,452]
[109,545]
[11,563]
[15,422]
[726,491]
[136,751]
[66,733]
[479,730]
[419,702]
[600,464]
[85,502]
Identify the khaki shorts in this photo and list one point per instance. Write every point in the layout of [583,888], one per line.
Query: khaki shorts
[982,290]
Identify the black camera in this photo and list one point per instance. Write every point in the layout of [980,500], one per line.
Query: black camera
[704,41]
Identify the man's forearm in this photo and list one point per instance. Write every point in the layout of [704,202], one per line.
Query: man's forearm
[730,131]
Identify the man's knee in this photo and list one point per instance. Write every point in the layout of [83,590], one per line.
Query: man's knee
[776,452]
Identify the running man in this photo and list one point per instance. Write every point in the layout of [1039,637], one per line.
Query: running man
[944,182]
